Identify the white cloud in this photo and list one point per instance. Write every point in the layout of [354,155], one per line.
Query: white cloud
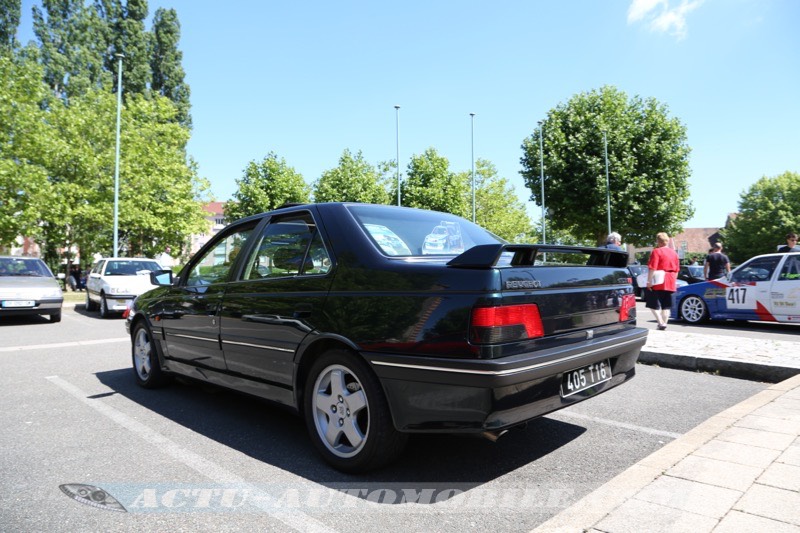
[663,17]
[640,8]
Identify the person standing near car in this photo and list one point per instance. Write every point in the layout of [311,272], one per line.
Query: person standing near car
[717,263]
[662,276]
[614,241]
[791,244]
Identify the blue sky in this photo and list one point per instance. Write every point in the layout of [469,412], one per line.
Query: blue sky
[310,79]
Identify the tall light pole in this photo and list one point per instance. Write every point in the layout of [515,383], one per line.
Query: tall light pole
[397,137]
[472,144]
[541,178]
[608,188]
[116,157]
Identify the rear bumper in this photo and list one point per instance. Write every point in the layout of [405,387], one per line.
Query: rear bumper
[430,395]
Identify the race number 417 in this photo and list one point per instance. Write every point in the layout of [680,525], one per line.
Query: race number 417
[737,298]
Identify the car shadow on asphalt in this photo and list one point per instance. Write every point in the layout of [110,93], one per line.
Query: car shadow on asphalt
[447,464]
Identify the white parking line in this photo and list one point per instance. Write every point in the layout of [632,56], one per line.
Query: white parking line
[615,423]
[63,344]
[291,517]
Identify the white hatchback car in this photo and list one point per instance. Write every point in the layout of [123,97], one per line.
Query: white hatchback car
[114,282]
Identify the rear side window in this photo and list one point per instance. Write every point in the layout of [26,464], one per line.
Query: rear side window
[791,268]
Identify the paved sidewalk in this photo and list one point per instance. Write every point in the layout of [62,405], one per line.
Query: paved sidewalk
[757,359]
[737,472]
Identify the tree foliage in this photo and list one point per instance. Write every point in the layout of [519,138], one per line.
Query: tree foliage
[354,180]
[9,22]
[497,207]
[78,44]
[768,210]
[430,184]
[57,131]
[24,194]
[130,39]
[73,46]
[266,186]
[165,62]
[647,159]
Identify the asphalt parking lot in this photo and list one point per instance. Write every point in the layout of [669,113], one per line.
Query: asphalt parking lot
[197,458]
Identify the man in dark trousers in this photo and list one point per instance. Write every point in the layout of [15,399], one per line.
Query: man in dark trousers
[717,264]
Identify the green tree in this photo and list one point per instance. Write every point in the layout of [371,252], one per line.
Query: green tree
[160,201]
[354,180]
[165,63]
[266,186]
[73,46]
[768,210]
[9,22]
[497,207]
[130,39]
[647,159]
[24,192]
[430,184]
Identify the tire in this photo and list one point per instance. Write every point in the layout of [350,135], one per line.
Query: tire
[90,305]
[694,309]
[55,317]
[104,312]
[347,415]
[144,356]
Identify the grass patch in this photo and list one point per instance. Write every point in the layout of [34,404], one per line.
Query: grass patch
[77,297]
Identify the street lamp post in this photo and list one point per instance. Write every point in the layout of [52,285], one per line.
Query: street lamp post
[608,188]
[472,144]
[116,157]
[397,138]
[541,178]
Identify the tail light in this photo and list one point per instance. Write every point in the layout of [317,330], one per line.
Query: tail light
[507,323]
[628,302]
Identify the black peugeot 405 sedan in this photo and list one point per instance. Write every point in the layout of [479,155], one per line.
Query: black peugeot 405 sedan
[375,322]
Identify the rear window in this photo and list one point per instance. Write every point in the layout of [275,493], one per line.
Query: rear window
[407,232]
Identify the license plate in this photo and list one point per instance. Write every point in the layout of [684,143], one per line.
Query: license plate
[19,303]
[584,378]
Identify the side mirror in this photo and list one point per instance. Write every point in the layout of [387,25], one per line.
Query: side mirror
[161,277]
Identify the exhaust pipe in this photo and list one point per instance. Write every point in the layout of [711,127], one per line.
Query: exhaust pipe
[494,435]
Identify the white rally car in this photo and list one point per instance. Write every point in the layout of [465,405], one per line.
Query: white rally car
[114,282]
[767,287]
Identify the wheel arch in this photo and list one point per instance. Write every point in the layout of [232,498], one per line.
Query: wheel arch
[708,313]
[309,354]
[157,338]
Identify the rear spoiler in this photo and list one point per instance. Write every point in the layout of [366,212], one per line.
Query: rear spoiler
[487,255]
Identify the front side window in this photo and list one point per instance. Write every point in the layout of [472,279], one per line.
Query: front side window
[289,246]
[756,270]
[215,264]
